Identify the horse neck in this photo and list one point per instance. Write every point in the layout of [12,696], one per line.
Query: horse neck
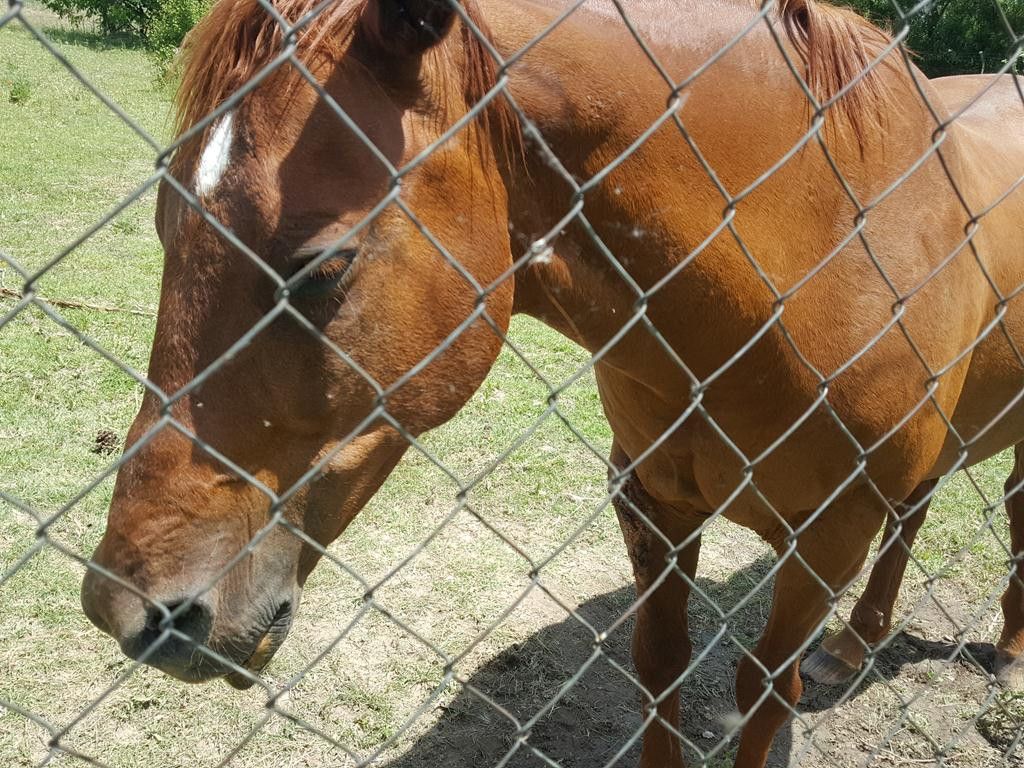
[590,91]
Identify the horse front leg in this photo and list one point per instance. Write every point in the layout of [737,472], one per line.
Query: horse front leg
[841,656]
[1009,665]
[831,551]
[661,639]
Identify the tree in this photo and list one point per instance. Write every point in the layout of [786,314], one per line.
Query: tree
[956,36]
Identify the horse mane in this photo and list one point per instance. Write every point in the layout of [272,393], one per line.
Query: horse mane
[238,38]
[836,46]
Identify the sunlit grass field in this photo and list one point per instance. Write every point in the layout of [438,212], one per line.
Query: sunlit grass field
[66,161]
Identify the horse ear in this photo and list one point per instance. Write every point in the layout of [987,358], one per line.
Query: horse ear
[407,27]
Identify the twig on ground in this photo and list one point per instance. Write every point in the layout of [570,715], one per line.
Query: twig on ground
[10,293]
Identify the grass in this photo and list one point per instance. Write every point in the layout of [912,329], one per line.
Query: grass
[65,162]
[19,92]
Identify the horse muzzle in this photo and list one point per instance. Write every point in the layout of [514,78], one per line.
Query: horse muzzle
[194,638]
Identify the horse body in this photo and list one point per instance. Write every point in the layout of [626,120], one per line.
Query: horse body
[755,355]
[660,204]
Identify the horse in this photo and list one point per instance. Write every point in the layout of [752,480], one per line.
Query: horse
[794,260]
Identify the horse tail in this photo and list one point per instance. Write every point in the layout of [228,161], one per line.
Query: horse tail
[839,48]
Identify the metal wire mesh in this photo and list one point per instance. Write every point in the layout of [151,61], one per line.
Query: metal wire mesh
[561,689]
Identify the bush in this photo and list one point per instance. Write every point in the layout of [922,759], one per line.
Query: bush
[114,17]
[169,28]
[955,36]
[159,24]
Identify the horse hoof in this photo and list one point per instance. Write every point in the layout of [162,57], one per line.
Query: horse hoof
[1009,671]
[825,668]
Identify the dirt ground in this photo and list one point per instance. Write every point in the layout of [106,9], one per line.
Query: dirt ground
[924,703]
[372,687]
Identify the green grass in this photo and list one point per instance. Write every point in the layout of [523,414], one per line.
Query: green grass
[65,161]
[19,92]
[963,541]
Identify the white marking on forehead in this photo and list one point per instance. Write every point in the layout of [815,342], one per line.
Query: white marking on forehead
[214,160]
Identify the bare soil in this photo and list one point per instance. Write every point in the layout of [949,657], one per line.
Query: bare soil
[927,700]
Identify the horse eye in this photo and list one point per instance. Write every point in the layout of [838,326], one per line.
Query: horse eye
[315,276]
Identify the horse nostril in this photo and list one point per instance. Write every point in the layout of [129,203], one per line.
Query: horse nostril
[195,621]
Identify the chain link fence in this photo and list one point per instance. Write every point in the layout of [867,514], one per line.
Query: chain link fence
[481,609]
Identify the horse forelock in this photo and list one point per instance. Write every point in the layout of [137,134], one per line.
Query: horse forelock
[239,38]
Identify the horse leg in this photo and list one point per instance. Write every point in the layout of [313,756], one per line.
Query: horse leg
[1009,664]
[840,656]
[832,550]
[661,640]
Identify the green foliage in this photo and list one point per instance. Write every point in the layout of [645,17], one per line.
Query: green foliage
[114,17]
[176,19]
[160,25]
[956,36]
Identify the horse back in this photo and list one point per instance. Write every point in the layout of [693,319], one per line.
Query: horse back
[988,130]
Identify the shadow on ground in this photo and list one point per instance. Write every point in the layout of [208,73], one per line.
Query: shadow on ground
[903,650]
[92,39]
[598,714]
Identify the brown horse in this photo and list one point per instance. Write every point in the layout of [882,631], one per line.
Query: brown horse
[799,276]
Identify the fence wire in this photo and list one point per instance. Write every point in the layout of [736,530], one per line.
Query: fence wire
[502,692]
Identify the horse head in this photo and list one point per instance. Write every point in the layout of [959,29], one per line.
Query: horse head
[336,251]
